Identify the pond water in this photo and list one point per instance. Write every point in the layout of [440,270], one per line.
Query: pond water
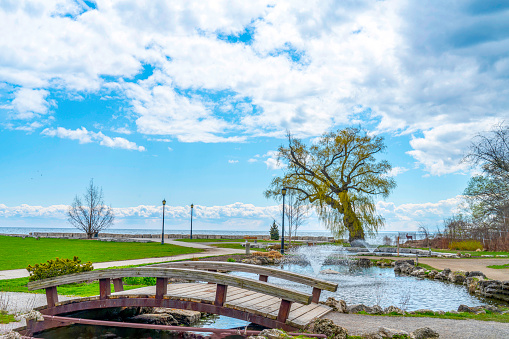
[357,285]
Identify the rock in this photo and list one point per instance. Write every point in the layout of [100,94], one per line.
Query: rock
[393,309]
[336,305]
[256,337]
[475,274]
[457,277]
[359,308]
[183,317]
[376,310]
[432,274]
[465,308]
[424,333]
[467,255]
[331,330]
[364,262]
[401,262]
[329,271]
[273,333]
[453,312]
[439,312]
[155,319]
[385,332]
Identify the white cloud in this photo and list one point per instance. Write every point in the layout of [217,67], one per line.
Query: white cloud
[272,162]
[252,160]
[406,67]
[122,130]
[29,103]
[395,171]
[232,161]
[84,137]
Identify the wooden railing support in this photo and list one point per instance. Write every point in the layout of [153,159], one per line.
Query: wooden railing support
[118,285]
[161,287]
[264,277]
[51,296]
[104,288]
[316,295]
[220,294]
[284,310]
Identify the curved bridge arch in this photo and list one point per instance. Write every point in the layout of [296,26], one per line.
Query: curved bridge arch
[257,301]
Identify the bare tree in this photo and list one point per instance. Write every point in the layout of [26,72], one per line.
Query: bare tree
[425,230]
[296,212]
[93,215]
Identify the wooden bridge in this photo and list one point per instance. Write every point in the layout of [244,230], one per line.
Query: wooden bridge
[257,301]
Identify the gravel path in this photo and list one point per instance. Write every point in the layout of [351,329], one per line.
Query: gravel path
[359,324]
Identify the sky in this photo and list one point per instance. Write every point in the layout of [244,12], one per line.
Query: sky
[188,101]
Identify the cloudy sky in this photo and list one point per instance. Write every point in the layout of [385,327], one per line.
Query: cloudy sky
[188,100]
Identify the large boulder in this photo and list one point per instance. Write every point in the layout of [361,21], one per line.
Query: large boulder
[331,330]
[273,333]
[393,309]
[457,277]
[384,332]
[183,317]
[336,305]
[424,333]
[155,319]
[359,308]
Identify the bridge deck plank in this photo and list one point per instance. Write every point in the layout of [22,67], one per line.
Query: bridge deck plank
[239,299]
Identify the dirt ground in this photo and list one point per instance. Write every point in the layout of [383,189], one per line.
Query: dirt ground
[463,264]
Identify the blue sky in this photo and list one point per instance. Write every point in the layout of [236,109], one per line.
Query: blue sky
[188,101]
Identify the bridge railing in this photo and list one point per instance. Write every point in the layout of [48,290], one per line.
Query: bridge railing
[162,275]
[264,273]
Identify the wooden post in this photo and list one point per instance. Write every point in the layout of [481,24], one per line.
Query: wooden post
[118,285]
[220,294]
[316,295]
[248,248]
[51,296]
[263,278]
[161,287]
[104,288]
[284,310]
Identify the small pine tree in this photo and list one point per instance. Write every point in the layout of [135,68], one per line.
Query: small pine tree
[274,231]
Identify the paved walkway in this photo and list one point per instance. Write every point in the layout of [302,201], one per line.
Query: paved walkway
[359,324]
[207,252]
[462,264]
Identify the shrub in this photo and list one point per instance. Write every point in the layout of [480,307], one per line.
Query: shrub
[57,267]
[230,260]
[465,245]
[149,281]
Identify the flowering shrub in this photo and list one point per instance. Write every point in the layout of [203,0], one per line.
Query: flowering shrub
[57,267]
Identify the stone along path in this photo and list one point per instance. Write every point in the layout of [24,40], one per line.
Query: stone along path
[360,324]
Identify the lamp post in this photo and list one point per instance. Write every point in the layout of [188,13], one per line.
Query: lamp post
[162,232]
[191,237]
[283,191]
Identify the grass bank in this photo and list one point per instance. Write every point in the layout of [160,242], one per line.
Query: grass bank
[19,253]
[488,316]
[6,318]
[499,267]
[474,254]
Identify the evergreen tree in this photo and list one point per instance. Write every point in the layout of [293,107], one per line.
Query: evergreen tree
[274,231]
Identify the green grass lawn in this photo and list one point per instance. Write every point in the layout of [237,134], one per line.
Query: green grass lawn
[224,240]
[19,253]
[474,254]
[86,289]
[488,316]
[6,318]
[498,267]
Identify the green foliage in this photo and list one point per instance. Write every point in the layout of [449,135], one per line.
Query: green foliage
[5,317]
[465,245]
[274,231]
[231,260]
[147,281]
[339,176]
[57,267]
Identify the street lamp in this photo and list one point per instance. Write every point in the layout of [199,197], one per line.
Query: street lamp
[283,191]
[162,233]
[191,237]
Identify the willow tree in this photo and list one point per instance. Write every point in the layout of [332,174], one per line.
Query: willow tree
[340,177]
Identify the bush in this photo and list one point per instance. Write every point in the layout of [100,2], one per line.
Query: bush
[149,281]
[465,245]
[57,267]
[230,260]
